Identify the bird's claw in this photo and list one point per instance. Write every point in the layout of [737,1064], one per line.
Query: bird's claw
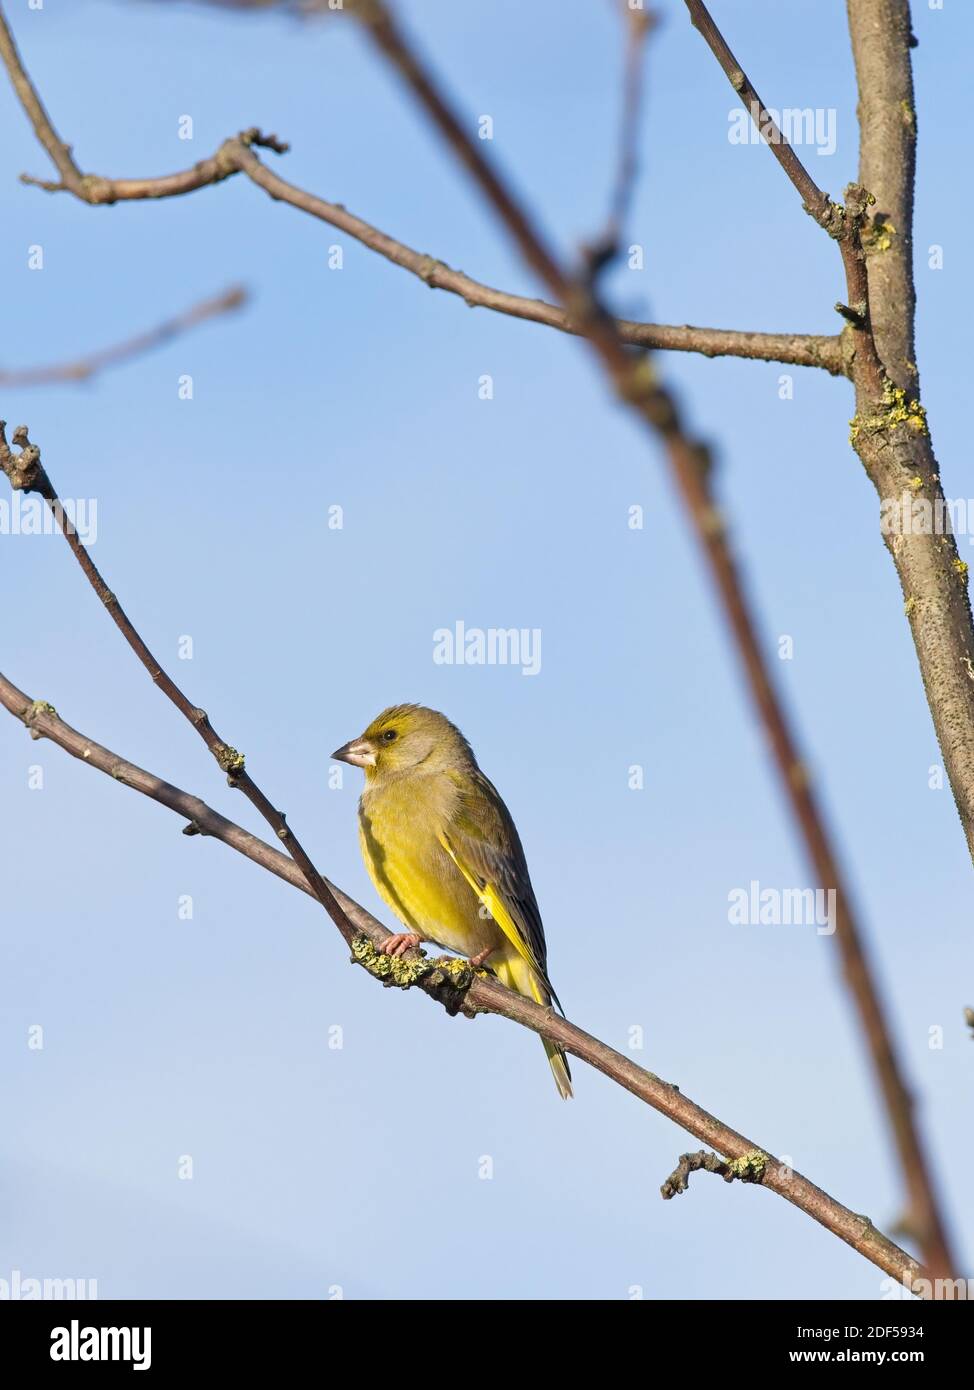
[400,942]
[478,960]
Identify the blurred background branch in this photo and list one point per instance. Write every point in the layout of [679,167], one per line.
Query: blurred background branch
[81,369]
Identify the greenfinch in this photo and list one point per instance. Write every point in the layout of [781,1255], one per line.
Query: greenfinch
[443,852]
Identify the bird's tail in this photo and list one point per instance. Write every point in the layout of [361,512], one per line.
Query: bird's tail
[517,974]
[559,1067]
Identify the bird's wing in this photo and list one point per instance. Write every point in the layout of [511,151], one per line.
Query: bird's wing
[483,842]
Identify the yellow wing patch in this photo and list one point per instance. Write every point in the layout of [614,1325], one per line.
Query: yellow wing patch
[494,904]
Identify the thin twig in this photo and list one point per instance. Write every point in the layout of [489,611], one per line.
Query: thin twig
[485,995]
[635,383]
[747,1169]
[84,368]
[844,224]
[60,153]
[25,472]
[817,202]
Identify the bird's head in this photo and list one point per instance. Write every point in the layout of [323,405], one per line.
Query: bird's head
[406,739]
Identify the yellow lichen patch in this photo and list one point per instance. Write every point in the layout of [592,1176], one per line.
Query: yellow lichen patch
[896,408]
[960,567]
[749,1167]
[910,605]
[229,759]
[879,236]
[404,973]
[916,484]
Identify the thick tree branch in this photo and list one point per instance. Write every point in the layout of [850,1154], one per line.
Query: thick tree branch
[891,436]
[481,994]
[881,41]
[84,368]
[889,431]
[635,383]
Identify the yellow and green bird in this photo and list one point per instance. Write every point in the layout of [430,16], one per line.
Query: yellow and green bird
[443,851]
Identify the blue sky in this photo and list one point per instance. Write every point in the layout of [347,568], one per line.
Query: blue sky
[318,1168]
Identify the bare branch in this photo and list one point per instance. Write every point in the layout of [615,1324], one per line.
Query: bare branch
[881,43]
[817,203]
[481,994]
[891,435]
[43,128]
[25,471]
[843,224]
[96,190]
[807,350]
[635,383]
[889,431]
[236,155]
[84,368]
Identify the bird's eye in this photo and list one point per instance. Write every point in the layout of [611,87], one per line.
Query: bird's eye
[389,735]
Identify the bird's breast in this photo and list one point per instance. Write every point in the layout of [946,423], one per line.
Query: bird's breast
[399,832]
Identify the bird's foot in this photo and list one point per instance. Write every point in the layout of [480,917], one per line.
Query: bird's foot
[400,942]
[478,960]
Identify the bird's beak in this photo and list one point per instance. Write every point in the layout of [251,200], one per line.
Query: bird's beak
[359,753]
